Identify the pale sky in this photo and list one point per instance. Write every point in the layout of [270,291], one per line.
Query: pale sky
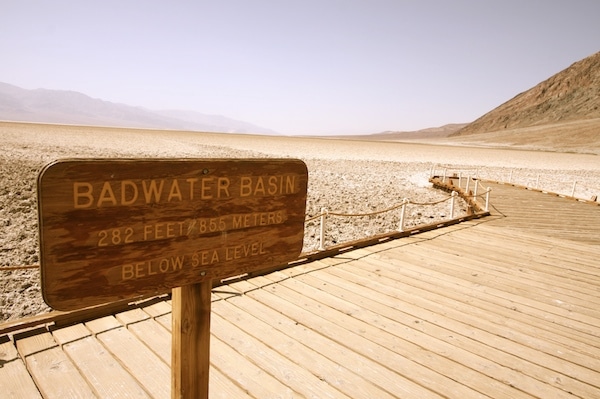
[299,66]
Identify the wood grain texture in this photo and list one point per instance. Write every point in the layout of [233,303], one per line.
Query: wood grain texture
[190,355]
[122,228]
[15,382]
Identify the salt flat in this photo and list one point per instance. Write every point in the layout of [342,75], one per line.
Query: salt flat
[183,143]
[347,176]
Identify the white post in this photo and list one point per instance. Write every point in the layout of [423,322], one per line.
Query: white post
[573,191]
[444,176]
[402,213]
[453,196]
[432,171]
[460,179]
[322,234]
[487,199]
[467,187]
[475,190]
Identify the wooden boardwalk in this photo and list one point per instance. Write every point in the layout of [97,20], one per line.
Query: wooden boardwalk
[502,307]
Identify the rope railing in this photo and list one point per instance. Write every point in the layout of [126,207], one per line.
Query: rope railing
[475,191]
[13,268]
[572,188]
[468,175]
[325,213]
[402,205]
[575,188]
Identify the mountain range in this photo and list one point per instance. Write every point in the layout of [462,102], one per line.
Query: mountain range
[570,95]
[74,108]
[562,113]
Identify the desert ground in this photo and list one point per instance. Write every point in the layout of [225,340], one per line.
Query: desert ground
[345,176]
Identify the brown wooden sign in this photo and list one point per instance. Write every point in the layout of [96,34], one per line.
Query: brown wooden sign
[113,229]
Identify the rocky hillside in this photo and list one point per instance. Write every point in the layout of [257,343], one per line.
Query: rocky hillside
[571,95]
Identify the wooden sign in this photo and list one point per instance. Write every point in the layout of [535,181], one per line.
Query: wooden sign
[113,229]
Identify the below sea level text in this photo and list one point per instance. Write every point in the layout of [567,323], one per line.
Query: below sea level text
[197,259]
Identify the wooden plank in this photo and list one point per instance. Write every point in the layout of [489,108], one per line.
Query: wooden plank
[342,369]
[15,381]
[576,289]
[472,367]
[522,266]
[105,372]
[8,352]
[494,301]
[336,327]
[223,292]
[534,244]
[493,306]
[34,341]
[247,376]
[145,366]
[221,387]
[69,334]
[166,321]
[270,361]
[547,215]
[103,324]
[522,293]
[55,375]
[427,324]
[53,372]
[158,309]
[102,371]
[132,316]
[158,338]
[576,365]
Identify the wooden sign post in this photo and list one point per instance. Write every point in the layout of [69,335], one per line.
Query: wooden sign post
[190,351]
[113,229]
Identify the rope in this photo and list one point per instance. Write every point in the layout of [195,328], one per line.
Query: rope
[456,168]
[476,196]
[308,219]
[365,214]
[431,203]
[313,217]
[11,268]
[394,207]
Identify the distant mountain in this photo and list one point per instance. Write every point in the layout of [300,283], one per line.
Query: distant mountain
[193,118]
[431,133]
[70,107]
[571,95]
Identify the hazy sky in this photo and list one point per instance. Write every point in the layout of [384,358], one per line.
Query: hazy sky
[299,66]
